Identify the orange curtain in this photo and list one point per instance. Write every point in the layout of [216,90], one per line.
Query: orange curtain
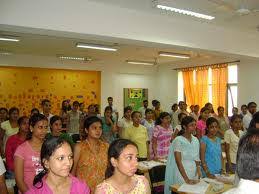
[189,86]
[219,86]
[202,87]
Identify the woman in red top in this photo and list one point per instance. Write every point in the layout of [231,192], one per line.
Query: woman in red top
[13,142]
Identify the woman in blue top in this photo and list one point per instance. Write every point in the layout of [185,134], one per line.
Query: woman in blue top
[183,163]
[210,149]
[108,125]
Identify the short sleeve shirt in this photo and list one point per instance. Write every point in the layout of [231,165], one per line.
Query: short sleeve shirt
[232,139]
[138,135]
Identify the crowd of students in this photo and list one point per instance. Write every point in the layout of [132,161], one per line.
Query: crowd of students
[81,151]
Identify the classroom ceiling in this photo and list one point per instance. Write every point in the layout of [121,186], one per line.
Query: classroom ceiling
[227,14]
[242,15]
[52,46]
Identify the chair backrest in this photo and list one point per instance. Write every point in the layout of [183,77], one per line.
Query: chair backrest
[157,178]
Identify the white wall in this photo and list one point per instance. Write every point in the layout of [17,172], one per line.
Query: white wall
[248,81]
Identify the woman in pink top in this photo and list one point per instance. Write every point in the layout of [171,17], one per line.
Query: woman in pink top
[13,142]
[201,123]
[57,160]
[162,135]
[27,155]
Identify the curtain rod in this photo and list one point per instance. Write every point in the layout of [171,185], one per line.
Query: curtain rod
[237,61]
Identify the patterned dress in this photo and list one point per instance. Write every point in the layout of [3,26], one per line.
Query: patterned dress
[91,165]
[139,188]
[163,137]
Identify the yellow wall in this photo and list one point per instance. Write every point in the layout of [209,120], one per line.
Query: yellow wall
[26,87]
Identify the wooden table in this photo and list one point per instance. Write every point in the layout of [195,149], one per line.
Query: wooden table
[144,170]
[175,187]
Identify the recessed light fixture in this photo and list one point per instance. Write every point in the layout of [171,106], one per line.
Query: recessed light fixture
[140,62]
[95,46]
[9,38]
[74,58]
[185,12]
[175,55]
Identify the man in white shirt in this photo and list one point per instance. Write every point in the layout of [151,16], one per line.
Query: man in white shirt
[243,110]
[181,106]
[143,109]
[3,188]
[248,117]
[174,108]
[247,164]
[115,113]
[46,108]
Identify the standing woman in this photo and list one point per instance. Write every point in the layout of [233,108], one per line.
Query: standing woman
[3,114]
[120,173]
[209,106]
[223,122]
[57,160]
[13,142]
[57,131]
[149,123]
[11,126]
[27,155]
[231,138]
[162,136]
[183,163]
[109,127]
[125,121]
[90,155]
[210,149]
[201,123]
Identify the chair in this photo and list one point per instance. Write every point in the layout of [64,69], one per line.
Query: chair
[157,178]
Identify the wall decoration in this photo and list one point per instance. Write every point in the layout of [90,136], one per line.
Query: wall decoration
[134,97]
[26,87]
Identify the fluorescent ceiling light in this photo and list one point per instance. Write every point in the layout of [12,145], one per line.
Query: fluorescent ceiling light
[5,53]
[94,46]
[175,55]
[185,12]
[75,58]
[140,62]
[12,39]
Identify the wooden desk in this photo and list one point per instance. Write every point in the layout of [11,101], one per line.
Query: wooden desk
[174,188]
[144,170]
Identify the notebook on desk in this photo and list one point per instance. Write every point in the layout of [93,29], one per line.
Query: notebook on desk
[199,188]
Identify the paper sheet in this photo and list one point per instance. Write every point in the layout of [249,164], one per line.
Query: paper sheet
[149,164]
[199,188]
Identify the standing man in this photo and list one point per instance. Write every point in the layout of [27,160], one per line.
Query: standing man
[243,110]
[46,108]
[174,109]
[115,113]
[74,119]
[249,115]
[181,105]
[143,109]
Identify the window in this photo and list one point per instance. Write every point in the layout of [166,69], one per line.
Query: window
[232,88]
[231,92]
